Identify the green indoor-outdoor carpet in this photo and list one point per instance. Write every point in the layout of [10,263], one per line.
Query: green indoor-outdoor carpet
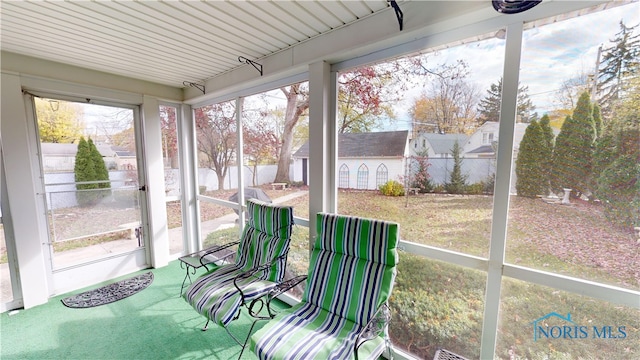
[155,323]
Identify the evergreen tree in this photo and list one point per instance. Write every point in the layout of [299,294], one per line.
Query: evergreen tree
[457,181]
[573,152]
[89,167]
[597,120]
[531,178]
[489,108]
[619,190]
[102,173]
[419,175]
[617,160]
[545,126]
[549,140]
[84,171]
[619,62]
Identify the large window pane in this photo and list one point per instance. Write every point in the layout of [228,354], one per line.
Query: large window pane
[171,159]
[434,141]
[275,126]
[577,184]
[216,136]
[437,305]
[424,157]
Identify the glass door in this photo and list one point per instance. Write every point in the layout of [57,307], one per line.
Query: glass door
[91,178]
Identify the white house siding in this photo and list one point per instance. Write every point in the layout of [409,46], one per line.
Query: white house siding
[476,139]
[395,171]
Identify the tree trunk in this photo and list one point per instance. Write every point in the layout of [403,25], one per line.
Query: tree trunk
[221,177]
[282,174]
[295,108]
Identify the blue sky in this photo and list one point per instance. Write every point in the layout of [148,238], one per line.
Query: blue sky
[551,54]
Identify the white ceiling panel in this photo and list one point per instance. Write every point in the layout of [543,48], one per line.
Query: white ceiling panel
[169,42]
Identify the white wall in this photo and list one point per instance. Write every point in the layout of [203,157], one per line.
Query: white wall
[395,170]
[266,175]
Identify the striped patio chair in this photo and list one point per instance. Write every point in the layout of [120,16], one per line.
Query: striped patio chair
[343,312]
[259,266]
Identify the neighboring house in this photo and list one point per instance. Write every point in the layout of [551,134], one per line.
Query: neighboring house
[481,144]
[477,152]
[62,157]
[436,145]
[124,159]
[365,160]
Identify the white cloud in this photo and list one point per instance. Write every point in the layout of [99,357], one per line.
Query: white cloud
[551,54]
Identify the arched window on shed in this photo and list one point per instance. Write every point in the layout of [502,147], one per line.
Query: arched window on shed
[363,177]
[343,177]
[382,175]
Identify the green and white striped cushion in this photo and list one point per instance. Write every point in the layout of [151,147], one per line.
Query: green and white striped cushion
[214,294]
[265,237]
[351,274]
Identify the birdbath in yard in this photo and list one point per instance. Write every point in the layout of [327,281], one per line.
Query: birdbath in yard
[565,198]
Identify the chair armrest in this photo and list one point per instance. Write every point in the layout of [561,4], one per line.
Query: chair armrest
[214,249]
[285,286]
[377,324]
[251,272]
[259,268]
[279,289]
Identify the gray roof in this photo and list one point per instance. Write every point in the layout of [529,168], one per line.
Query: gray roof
[122,151]
[443,143]
[370,144]
[484,149]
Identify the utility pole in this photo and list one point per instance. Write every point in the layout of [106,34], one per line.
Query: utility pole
[594,89]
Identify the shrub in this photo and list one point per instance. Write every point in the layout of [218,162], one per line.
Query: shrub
[439,189]
[619,190]
[489,184]
[392,188]
[475,189]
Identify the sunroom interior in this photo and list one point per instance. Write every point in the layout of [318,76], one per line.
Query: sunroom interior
[476,272]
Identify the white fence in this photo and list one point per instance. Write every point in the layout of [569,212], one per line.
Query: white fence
[476,170]
[61,190]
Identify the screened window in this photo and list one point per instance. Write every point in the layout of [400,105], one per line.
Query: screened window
[363,177]
[573,172]
[343,177]
[441,219]
[382,175]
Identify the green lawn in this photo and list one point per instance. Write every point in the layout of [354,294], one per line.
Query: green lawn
[441,305]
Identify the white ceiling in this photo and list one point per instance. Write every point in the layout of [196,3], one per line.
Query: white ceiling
[169,42]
